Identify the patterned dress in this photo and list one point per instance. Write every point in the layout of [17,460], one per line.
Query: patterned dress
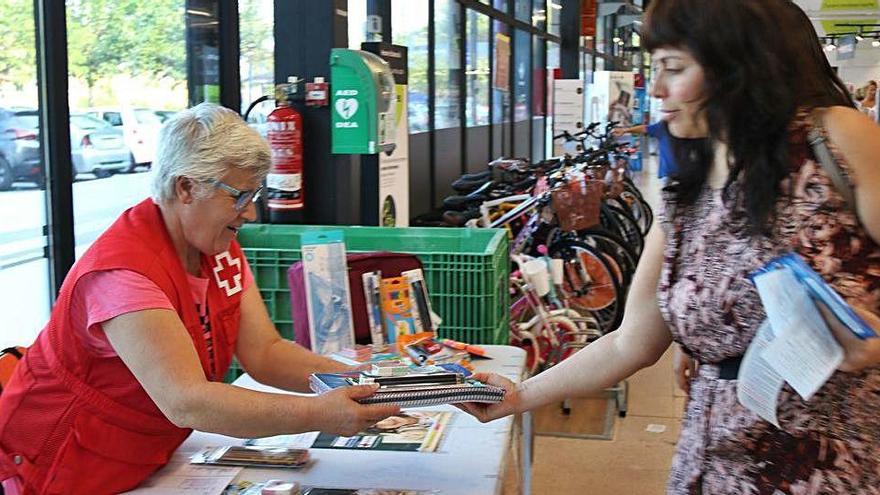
[829,445]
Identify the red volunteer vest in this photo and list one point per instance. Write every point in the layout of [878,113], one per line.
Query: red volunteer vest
[73,423]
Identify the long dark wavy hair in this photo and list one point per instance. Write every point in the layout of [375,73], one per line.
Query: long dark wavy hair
[762,62]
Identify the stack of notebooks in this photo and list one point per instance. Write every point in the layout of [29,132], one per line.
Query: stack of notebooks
[417,389]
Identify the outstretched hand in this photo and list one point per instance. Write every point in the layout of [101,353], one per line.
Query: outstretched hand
[338,411]
[486,412]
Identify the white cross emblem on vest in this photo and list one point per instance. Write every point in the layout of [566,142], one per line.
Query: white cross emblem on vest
[227,273]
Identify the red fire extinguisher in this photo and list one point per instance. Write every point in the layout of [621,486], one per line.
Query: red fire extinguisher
[284,184]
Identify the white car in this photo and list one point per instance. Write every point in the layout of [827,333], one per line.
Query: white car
[140,129]
[97,147]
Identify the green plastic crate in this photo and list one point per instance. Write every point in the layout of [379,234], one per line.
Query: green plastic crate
[466,271]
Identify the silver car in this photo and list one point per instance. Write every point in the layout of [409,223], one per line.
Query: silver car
[97,147]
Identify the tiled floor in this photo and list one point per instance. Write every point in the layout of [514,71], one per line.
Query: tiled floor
[637,460]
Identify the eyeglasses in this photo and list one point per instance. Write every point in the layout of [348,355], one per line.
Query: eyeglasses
[242,198]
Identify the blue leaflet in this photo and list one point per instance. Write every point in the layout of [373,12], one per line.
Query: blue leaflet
[819,290]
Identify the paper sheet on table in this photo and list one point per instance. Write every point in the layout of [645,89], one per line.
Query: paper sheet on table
[297,441]
[758,385]
[803,351]
[182,478]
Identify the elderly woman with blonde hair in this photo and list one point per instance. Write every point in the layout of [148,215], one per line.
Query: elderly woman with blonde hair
[147,323]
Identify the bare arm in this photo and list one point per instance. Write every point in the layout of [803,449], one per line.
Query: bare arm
[636,129]
[640,341]
[157,349]
[858,139]
[271,359]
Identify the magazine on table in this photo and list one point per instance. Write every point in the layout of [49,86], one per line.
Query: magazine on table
[407,431]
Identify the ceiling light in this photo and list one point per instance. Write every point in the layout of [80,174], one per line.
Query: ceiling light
[555,6]
[616,39]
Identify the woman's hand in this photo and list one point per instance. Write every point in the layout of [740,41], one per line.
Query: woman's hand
[858,354]
[619,131]
[685,368]
[486,412]
[338,411]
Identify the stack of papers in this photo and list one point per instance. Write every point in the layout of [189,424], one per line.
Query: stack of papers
[416,389]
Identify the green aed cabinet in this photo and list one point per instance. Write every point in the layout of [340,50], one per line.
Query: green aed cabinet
[362,89]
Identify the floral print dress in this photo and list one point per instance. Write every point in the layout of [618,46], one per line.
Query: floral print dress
[829,445]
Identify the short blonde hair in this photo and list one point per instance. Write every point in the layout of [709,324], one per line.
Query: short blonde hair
[205,142]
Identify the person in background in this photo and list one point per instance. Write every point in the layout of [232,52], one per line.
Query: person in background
[147,323]
[660,131]
[741,70]
[868,105]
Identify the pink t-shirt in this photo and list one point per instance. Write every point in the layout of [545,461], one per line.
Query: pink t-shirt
[104,295]
[129,291]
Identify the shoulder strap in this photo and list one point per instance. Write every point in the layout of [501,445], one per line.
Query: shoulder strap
[818,141]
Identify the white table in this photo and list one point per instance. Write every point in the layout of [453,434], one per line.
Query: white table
[471,457]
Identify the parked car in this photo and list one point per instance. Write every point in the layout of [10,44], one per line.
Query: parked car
[97,147]
[164,114]
[140,128]
[20,157]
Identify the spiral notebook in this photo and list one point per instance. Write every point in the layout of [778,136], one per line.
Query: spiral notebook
[417,389]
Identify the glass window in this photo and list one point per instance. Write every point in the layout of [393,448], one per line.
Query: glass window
[357,23]
[501,90]
[256,21]
[554,9]
[446,63]
[24,269]
[113,118]
[552,68]
[128,62]
[539,77]
[521,75]
[500,5]
[501,71]
[477,71]
[409,28]
[539,14]
[522,10]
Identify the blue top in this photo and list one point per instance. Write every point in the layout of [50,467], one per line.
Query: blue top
[660,131]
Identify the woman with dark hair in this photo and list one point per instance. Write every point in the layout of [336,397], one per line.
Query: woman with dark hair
[746,71]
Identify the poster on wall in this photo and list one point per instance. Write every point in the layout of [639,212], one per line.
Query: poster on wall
[394,167]
[394,170]
[611,98]
[568,112]
[502,63]
[846,47]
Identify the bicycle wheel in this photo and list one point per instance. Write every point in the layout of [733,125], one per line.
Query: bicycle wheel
[527,341]
[646,217]
[613,245]
[589,281]
[567,337]
[620,222]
